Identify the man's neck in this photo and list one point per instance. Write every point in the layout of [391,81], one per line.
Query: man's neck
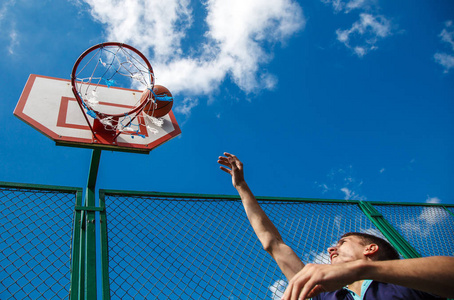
[356,287]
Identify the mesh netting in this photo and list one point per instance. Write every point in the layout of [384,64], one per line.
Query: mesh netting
[35,243]
[429,229]
[174,248]
[164,246]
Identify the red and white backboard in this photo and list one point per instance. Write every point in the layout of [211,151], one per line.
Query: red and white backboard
[48,104]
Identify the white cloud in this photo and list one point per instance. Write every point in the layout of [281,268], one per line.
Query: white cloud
[347,6]
[343,180]
[5,7]
[323,186]
[382,170]
[14,41]
[149,25]
[433,200]
[237,41]
[277,289]
[448,36]
[446,59]
[364,34]
[12,35]
[186,106]
[355,4]
[424,224]
[351,195]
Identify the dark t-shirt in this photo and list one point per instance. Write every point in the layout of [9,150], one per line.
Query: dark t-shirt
[379,291]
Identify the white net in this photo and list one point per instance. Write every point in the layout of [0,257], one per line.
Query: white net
[100,77]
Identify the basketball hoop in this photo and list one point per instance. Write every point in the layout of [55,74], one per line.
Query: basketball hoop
[117,66]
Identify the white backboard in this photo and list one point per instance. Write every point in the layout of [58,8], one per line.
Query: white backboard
[48,104]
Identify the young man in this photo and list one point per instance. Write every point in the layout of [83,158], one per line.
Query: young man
[360,264]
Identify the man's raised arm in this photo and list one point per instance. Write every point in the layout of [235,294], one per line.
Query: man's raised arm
[269,236]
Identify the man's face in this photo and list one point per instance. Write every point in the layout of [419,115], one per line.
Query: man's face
[348,248]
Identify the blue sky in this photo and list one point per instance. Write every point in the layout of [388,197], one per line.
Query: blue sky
[348,99]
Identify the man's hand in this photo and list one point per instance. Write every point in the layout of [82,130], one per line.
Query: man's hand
[314,279]
[234,167]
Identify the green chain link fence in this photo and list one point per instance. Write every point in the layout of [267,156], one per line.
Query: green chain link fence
[35,249]
[185,246]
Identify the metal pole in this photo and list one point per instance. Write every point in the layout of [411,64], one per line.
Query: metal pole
[90,228]
[75,289]
[388,231]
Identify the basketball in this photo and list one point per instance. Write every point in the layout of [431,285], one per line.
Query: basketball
[162,102]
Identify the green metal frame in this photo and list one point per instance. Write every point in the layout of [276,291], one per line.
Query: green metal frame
[90,230]
[74,289]
[104,249]
[75,254]
[43,187]
[83,277]
[84,253]
[263,198]
[394,237]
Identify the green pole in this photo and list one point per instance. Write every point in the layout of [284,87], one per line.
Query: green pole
[75,288]
[104,248]
[90,227]
[388,231]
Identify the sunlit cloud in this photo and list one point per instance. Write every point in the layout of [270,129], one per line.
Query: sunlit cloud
[343,183]
[14,41]
[277,289]
[364,34]
[185,107]
[347,6]
[8,27]
[448,36]
[425,224]
[5,7]
[238,40]
[446,59]
[433,200]
[351,195]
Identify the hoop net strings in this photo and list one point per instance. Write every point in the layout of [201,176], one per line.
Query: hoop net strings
[113,66]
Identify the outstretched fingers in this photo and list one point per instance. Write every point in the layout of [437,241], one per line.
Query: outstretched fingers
[233,166]
[229,160]
[226,162]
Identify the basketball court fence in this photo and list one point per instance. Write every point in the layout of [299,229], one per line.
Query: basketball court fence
[147,245]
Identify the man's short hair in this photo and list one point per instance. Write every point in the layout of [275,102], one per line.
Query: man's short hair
[385,250]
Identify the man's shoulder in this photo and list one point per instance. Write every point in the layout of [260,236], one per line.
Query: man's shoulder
[336,295]
[380,290]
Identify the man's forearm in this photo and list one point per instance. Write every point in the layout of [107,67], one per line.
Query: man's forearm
[430,274]
[262,225]
[269,236]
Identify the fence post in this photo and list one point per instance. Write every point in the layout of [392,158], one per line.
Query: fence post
[75,289]
[394,237]
[90,228]
[104,248]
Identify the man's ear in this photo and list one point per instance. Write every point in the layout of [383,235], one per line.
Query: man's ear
[370,250]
